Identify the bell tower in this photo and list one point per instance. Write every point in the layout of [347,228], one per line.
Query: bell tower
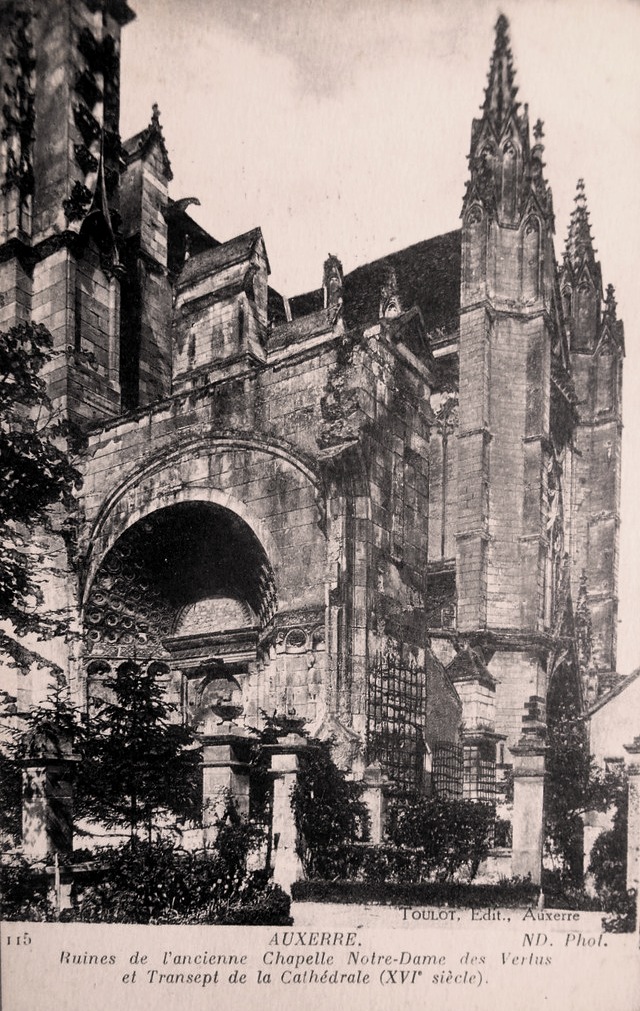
[60,163]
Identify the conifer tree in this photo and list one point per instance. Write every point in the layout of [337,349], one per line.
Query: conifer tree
[139,767]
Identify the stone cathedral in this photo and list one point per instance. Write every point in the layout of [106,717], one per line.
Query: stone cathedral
[388,506]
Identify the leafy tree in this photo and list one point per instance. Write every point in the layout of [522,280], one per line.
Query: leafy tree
[609,853]
[138,765]
[327,807]
[575,785]
[609,865]
[37,474]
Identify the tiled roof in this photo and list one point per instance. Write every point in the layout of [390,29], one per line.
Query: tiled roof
[302,305]
[427,273]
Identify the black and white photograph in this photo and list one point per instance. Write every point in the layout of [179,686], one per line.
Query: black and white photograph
[319,522]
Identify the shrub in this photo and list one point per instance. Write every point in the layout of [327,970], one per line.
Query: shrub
[328,811]
[451,834]
[327,807]
[609,868]
[24,892]
[156,882]
[508,893]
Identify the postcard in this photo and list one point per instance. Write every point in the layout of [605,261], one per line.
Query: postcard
[318,654]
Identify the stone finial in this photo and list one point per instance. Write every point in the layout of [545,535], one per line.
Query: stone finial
[611,303]
[579,244]
[333,278]
[500,95]
[390,304]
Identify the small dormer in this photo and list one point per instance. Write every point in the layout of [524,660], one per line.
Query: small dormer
[221,308]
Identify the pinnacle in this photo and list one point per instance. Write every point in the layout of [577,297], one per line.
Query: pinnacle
[611,303]
[579,239]
[502,34]
[500,95]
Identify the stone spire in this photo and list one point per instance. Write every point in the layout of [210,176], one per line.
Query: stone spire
[579,247]
[500,95]
[506,174]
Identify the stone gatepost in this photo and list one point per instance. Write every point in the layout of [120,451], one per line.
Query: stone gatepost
[528,796]
[225,774]
[285,764]
[374,796]
[633,829]
[47,799]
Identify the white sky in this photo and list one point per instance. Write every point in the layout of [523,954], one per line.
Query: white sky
[342,126]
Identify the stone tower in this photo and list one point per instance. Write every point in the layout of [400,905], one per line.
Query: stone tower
[515,401]
[597,350]
[60,162]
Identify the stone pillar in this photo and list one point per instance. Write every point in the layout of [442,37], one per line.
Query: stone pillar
[633,829]
[375,799]
[225,776]
[285,763]
[47,805]
[528,803]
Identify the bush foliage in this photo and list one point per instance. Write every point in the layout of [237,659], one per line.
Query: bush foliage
[609,867]
[428,839]
[24,892]
[146,882]
[327,807]
[511,893]
[451,834]
[156,882]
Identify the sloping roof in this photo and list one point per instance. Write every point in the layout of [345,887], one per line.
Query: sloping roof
[428,275]
[620,687]
[310,301]
[226,254]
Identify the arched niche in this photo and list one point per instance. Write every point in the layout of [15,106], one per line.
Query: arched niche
[586,314]
[475,245]
[509,187]
[531,259]
[194,568]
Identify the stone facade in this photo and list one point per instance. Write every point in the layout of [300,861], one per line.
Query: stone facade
[400,479]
